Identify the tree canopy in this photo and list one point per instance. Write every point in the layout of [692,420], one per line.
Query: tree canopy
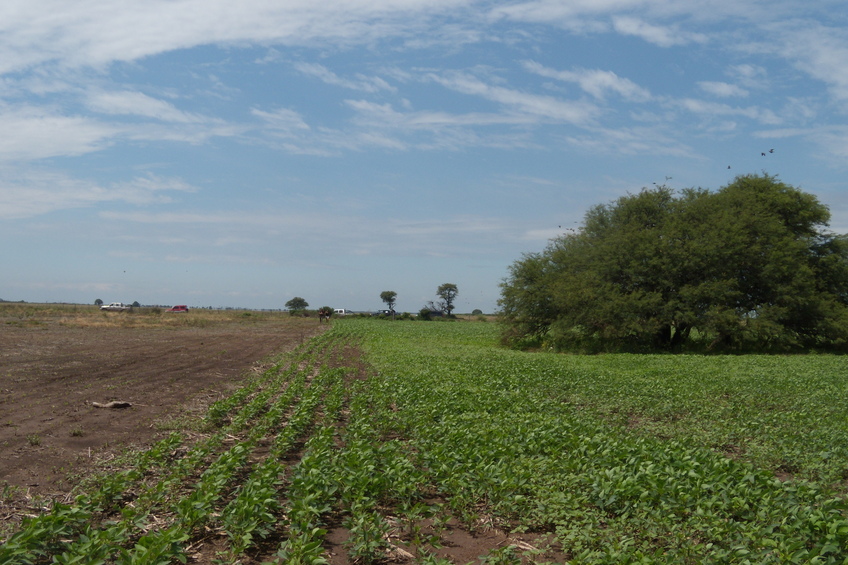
[389,297]
[447,293]
[297,304]
[748,267]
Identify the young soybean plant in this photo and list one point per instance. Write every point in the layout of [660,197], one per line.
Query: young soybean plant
[519,435]
[311,494]
[255,510]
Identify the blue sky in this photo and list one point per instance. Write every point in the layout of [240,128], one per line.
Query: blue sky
[218,153]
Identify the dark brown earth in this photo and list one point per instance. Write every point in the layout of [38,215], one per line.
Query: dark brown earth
[53,369]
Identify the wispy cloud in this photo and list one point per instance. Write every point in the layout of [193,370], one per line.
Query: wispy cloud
[288,131]
[578,15]
[819,51]
[359,82]
[382,126]
[43,132]
[722,89]
[714,109]
[661,35]
[139,104]
[33,193]
[749,76]
[595,82]
[384,115]
[630,141]
[541,107]
[40,31]
[346,233]
[283,121]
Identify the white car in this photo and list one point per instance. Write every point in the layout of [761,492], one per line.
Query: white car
[116,307]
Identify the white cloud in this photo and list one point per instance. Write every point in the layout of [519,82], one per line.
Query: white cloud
[577,15]
[344,229]
[100,32]
[361,82]
[288,131]
[283,121]
[380,125]
[192,133]
[630,141]
[544,108]
[663,36]
[722,89]
[835,142]
[713,109]
[138,104]
[33,193]
[385,116]
[749,76]
[820,52]
[595,82]
[449,36]
[41,133]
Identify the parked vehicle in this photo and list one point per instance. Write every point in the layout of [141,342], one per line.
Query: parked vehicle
[178,308]
[116,307]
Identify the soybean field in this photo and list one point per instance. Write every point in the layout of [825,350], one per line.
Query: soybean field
[425,442]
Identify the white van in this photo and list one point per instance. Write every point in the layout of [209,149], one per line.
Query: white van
[341,311]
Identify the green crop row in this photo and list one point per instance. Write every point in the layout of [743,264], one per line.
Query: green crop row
[558,444]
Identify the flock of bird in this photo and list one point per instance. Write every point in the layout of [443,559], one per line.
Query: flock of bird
[763,154]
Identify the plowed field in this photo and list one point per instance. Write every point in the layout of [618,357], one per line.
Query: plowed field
[56,362]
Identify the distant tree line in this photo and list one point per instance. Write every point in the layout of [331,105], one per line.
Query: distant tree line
[446,292]
[750,267]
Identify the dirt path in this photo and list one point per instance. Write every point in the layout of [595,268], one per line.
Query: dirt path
[50,373]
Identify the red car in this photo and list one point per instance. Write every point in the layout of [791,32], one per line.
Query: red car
[178,308]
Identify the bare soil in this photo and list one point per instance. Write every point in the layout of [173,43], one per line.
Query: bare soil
[53,368]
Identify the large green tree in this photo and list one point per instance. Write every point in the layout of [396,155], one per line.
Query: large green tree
[749,266]
[297,305]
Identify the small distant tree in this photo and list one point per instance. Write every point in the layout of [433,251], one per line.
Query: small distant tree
[389,297]
[136,304]
[297,305]
[447,293]
[98,302]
